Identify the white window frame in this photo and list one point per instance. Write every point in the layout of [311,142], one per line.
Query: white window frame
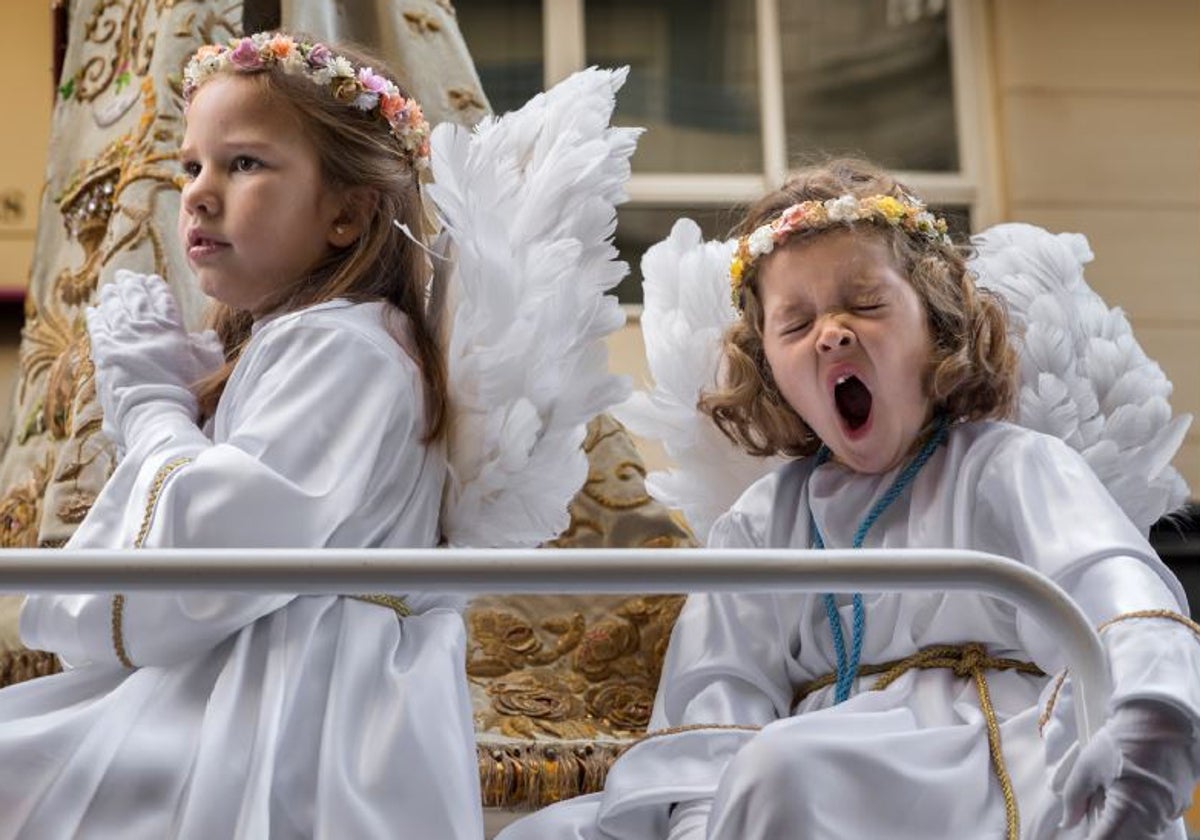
[975,185]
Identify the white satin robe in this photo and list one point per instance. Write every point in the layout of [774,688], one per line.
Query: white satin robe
[911,761]
[259,716]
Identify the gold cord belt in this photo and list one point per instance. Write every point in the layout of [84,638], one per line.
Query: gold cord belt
[392,602]
[966,660]
[1165,615]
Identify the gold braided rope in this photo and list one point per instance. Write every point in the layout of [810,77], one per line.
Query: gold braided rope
[392,602]
[693,727]
[118,600]
[1061,678]
[966,660]
[935,656]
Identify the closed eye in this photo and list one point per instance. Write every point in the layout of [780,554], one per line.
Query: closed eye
[793,329]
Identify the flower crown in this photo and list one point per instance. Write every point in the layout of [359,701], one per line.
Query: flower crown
[363,88]
[906,213]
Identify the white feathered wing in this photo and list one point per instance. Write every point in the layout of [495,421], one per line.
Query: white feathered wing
[1084,378]
[528,200]
[686,310]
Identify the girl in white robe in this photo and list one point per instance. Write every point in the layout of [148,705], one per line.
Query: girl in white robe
[204,715]
[862,343]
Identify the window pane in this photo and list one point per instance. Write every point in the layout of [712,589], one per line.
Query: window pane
[693,80]
[870,78]
[640,227]
[505,40]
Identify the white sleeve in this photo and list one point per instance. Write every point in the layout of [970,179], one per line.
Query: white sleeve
[689,820]
[726,663]
[319,430]
[1043,505]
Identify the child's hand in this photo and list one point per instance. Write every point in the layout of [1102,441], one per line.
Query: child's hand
[1138,771]
[142,351]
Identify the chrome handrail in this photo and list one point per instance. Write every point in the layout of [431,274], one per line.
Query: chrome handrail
[549,570]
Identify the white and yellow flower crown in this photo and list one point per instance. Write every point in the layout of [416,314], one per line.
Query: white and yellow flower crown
[360,88]
[907,213]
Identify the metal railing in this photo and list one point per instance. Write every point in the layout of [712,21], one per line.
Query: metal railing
[547,570]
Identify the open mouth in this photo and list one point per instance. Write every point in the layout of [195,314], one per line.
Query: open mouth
[853,401]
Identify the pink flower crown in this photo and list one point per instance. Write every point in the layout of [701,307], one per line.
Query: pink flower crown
[363,88]
[906,213]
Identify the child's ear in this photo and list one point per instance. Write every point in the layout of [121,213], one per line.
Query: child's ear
[358,205]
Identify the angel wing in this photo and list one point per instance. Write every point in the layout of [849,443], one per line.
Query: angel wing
[528,200]
[686,310]
[1084,378]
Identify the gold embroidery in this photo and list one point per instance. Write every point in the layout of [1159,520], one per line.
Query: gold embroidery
[1169,615]
[20,509]
[464,99]
[118,28]
[94,195]
[156,486]
[21,665]
[422,23]
[118,601]
[573,678]
[118,632]
[611,662]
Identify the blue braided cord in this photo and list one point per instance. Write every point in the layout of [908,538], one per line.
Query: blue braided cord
[902,481]
[847,666]
[856,644]
[839,641]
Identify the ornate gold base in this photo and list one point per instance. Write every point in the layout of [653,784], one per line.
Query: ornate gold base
[21,665]
[529,775]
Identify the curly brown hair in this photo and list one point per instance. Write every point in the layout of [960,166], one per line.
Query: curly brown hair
[972,369]
[354,149]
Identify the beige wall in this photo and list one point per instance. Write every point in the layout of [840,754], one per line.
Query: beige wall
[26,41]
[1100,132]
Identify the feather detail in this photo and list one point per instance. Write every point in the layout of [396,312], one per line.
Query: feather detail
[686,311]
[529,201]
[1084,377]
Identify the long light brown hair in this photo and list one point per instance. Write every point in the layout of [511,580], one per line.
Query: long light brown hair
[355,150]
[971,373]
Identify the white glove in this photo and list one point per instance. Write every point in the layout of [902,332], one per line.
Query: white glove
[1138,771]
[143,354]
[689,820]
